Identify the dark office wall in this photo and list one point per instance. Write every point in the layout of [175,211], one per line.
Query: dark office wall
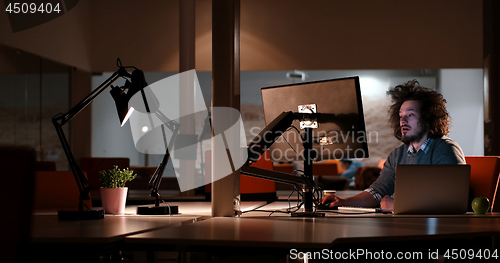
[275,35]
[492,66]
[33,89]
[385,34]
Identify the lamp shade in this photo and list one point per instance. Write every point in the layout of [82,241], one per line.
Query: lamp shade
[122,98]
[121,103]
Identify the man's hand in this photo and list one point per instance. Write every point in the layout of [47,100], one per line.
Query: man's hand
[333,200]
[363,199]
[387,203]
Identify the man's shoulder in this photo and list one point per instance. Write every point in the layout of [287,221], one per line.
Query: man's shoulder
[448,150]
[444,142]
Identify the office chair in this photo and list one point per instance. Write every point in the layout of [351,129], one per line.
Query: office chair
[45,166]
[365,176]
[484,179]
[381,163]
[257,189]
[56,190]
[251,188]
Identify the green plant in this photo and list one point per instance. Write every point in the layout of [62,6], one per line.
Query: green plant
[116,178]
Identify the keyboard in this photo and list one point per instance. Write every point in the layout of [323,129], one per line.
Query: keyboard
[362,209]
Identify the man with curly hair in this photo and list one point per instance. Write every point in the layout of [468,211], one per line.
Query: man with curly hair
[420,120]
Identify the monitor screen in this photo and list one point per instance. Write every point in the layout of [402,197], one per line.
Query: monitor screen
[338,127]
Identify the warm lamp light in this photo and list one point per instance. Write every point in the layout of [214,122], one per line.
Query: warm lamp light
[127,116]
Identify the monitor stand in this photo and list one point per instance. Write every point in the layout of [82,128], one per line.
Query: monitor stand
[309,155]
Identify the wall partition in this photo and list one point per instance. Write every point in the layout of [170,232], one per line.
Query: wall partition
[33,91]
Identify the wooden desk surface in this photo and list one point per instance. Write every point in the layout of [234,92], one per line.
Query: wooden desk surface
[314,233]
[195,229]
[46,228]
[260,230]
[278,209]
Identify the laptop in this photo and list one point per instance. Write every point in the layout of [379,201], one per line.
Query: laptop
[431,189]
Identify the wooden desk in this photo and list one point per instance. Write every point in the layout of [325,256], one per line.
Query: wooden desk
[53,239]
[257,234]
[278,209]
[47,229]
[315,233]
[276,236]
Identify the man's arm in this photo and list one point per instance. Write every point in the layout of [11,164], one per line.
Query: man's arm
[384,185]
[363,199]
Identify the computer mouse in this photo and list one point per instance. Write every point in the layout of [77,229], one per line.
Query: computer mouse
[326,206]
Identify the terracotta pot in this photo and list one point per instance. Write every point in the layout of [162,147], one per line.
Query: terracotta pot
[113,200]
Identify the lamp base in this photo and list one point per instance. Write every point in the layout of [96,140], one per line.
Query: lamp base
[81,215]
[308,214]
[158,210]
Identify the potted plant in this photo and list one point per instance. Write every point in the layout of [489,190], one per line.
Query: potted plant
[113,190]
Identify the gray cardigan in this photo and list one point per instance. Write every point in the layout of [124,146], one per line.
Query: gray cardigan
[441,151]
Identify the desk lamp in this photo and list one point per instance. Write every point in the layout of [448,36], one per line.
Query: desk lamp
[61,119]
[154,182]
[148,103]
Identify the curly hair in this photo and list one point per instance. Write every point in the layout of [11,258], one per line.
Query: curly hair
[434,115]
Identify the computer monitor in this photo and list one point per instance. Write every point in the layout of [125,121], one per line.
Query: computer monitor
[338,126]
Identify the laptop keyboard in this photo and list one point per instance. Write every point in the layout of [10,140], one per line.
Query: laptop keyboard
[362,209]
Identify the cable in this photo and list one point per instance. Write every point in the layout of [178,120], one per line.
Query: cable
[269,211]
[294,127]
[163,201]
[119,64]
[300,135]
[88,208]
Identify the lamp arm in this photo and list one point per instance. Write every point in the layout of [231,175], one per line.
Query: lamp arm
[60,120]
[66,117]
[81,181]
[172,125]
[154,182]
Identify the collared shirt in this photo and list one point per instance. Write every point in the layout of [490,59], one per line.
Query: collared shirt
[375,194]
[423,148]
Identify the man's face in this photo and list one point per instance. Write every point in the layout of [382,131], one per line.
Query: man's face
[409,121]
